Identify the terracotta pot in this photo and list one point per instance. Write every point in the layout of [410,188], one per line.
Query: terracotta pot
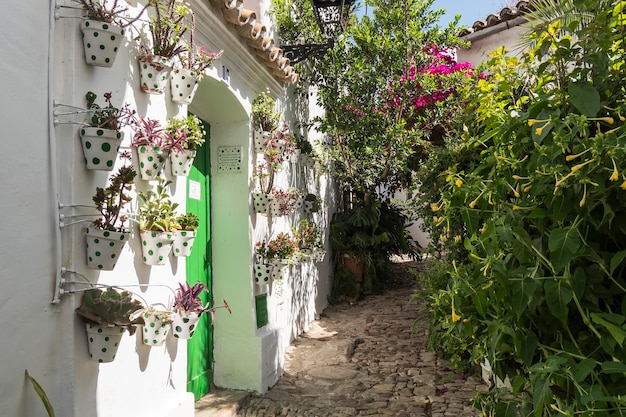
[354,265]
[154,71]
[101,40]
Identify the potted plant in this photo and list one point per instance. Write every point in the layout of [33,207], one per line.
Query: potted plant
[187,309]
[193,64]
[283,203]
[189,132]
[184,233]
[308,236]
[102,136]
[167,27]
[312,203]
[103,30]
[107,235]
[156,324]
[264,175]
[157,221]
[153,143]
[263,268]
[107,315]
[264,119]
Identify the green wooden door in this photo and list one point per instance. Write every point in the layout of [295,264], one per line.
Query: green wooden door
[200,346]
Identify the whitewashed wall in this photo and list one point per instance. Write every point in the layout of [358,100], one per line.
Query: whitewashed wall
[42,67]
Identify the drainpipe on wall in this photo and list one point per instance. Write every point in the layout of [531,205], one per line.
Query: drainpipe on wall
[53,158]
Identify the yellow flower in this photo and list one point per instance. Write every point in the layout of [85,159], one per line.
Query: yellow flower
[532,122]
[434,207]
[538,131]
[614,176]
[609,120]
[623,186]
[455,317]
[584,199]
[458,182]
[457,239]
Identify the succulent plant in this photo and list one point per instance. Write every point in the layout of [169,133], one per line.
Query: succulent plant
[264,117]
[157,211]
[188,221]
[108,117]
[111,200]
[188,131]
[109,308]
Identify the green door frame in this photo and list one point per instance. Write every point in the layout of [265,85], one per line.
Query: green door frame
[200,346]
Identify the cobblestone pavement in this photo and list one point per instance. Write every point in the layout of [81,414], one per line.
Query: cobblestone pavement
[367,358]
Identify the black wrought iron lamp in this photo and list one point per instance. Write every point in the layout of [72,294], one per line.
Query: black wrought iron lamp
[331,17]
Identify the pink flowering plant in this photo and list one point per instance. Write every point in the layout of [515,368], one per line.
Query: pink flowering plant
[286,199]
[282,247]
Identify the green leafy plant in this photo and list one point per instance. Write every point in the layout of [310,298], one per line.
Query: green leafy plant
[187,130]
[187,221]
[308,235]
[264,115]
[110,201]
[109,308]
[41,393]
[157,211]
[109,11]
[108,117]
[282,247]
[172,19]
[194,58]
[530,222]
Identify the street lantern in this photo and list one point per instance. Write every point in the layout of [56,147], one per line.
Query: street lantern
[331,17]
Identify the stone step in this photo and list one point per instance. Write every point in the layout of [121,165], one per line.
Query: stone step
[220,403]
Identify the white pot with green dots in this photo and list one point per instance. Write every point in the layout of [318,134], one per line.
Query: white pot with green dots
[184,324]
[104,248]
[101,41]
[103,342]
[154,71]
[151,161]
[156,246]
[100,147]
[181,162]
[183,242]
[184,84]
[155,328]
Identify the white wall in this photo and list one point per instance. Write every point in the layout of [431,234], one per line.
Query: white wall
[47,168]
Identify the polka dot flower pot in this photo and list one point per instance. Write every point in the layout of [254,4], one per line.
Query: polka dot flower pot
[294,156]
[155,246]
[261,202]
[184,324]
[154,71]
[151,161]
[183,242]
[100,147]
[104,248]
[261,140]
[101,41]
[184,84]
[155,328]
[103,342]
[263,273]
[181,162]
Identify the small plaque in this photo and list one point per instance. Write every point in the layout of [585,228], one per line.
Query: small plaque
[195,191]
[229,158]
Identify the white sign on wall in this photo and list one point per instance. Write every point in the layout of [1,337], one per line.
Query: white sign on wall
[195,191]
[229,158]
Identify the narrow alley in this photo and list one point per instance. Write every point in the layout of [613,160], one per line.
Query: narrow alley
[368,358]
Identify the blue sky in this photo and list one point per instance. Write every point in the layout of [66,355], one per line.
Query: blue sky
[470,10]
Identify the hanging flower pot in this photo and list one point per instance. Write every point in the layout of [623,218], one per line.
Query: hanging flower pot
[154,71]
[261,202]
[275,207]
[294,156]
[181,162]
[261,140]
[155,246]
[184,84]
[183,242]
[184,324]
[263,273]
[155,328]
[151,161]
[101,41]
[277,271]
[103,342]
[104,248]
[312,203]
[318,255]
[278,145]
[100,147]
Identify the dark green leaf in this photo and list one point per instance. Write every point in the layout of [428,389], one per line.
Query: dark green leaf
[617,259]
[611,367]
[583,369]
[585,98]
[563,245]
[558,296]
[611,322]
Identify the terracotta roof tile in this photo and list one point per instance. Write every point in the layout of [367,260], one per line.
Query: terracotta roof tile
[506,14]
[256,35]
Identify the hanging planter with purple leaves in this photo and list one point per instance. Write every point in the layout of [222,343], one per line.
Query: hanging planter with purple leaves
[185,135]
